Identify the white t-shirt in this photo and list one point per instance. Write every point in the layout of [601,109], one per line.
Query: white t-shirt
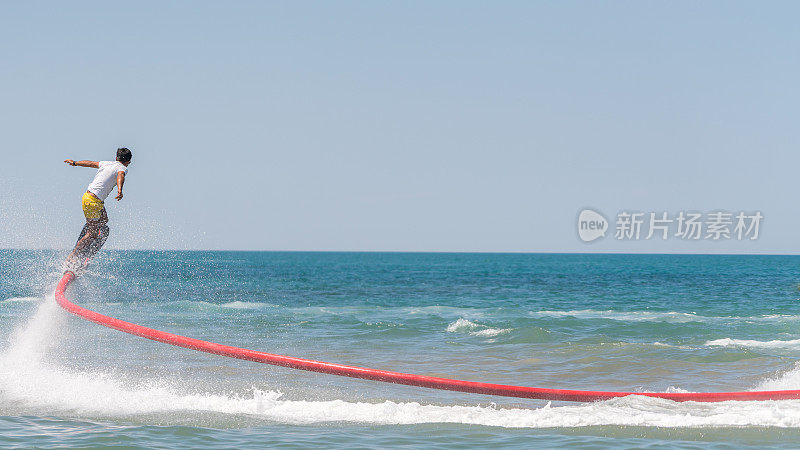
[106,178]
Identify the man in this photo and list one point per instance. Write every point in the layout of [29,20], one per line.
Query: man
[95,232]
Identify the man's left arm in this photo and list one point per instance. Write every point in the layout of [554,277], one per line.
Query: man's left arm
[120,182]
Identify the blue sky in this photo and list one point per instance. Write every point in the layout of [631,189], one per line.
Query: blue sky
[403,126]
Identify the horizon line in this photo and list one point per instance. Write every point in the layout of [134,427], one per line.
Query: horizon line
[465,252]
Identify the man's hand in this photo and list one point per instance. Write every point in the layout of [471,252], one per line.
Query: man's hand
[119,196]
[83,163]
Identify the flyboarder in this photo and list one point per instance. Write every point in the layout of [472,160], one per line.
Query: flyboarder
[95,232]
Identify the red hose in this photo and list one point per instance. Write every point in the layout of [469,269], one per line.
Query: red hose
[392,377]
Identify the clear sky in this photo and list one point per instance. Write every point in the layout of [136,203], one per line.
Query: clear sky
[403,126]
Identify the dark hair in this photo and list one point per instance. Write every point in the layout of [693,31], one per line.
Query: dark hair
[123,155]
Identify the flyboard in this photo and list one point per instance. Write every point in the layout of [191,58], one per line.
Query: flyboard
[393,377]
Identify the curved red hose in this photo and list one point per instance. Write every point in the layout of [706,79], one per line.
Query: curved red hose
[392,377]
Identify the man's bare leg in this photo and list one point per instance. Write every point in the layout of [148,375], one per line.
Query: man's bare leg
[83,243]
[93,232]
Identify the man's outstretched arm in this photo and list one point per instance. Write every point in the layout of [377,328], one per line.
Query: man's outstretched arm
[93,164]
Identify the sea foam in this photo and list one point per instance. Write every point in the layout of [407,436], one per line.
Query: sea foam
[728,342]
[475,329]
[659,316]
[21,300]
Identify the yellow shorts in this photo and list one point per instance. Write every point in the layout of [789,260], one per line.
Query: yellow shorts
[92,206]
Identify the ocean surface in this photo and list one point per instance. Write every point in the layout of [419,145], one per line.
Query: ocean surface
[602,322]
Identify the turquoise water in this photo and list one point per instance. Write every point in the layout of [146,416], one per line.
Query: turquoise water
[605,322]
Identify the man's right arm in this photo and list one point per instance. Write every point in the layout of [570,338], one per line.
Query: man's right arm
[93,164]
